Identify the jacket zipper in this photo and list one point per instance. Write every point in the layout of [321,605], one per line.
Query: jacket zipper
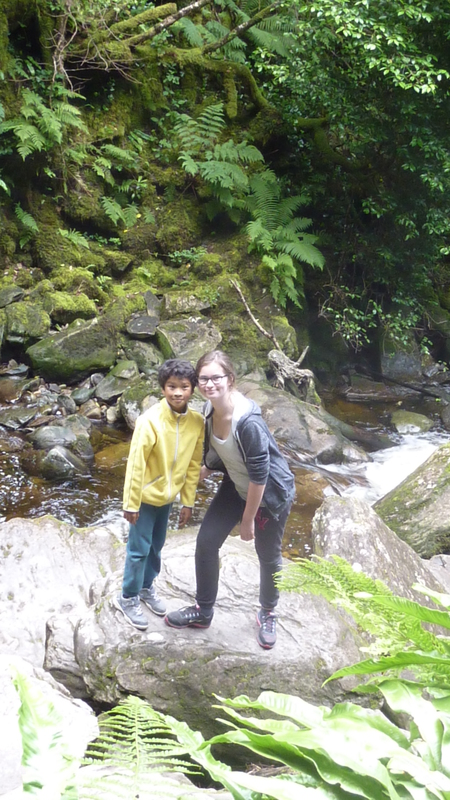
[174,461]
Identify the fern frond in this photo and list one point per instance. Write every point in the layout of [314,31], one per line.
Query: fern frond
[129,215]
[120,154]
[112,209]
[193,33]
[268,41]
[224,174]
[189,165]
[26,219]
[75,237]
[304,250]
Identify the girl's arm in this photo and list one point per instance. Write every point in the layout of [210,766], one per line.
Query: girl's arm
[254,498]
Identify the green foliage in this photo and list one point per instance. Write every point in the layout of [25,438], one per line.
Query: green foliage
[48,762]
[278,235]
[190,254]
[27,224]
[75,237]
[41,126]
[127,215]
[222,165]
[327,754]
[399,630]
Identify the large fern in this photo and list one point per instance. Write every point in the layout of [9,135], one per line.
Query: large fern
[396,625]
[279,237]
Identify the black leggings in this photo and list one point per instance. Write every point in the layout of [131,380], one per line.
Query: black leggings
[221,517]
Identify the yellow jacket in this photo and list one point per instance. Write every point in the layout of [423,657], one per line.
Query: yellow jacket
[165,457]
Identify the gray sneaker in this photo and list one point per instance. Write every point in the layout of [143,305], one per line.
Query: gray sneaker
[153,601]
[132,611]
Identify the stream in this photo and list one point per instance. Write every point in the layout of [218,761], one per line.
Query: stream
[96,499]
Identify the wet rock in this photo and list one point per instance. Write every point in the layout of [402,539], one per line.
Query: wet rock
[143,326]
[418,510]
[187,338]
[72,354]
[177,303]
[15,418]
[145,354]
[59,463]
[112,415]
[410,422]
[52,435]
[82,395]
[111,387]
[67,403]
[137,398]
[153,303]
[26,322]
[10,294]
[12,368]
[91,409]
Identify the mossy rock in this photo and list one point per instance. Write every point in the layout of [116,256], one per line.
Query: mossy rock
[117,313]
[78,279]
[26,322]
[82,203]
[116,262]
[179,226]
[145,354]
[140,240]
[9,236]
[79,350]
[51,250]
[208,265]
[153,274]
[2,327]
[65,308]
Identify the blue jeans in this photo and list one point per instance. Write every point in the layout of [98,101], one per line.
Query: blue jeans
[145,542]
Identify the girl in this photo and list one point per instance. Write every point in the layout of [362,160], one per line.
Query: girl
[257,490]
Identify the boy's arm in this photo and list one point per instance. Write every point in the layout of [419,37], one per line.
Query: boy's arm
[142,442]
[187,494]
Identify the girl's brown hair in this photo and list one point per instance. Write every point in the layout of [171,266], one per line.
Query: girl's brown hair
[221,358]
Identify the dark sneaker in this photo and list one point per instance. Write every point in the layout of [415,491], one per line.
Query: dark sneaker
[267,634]
[189,617]
[153,601]
[132,611]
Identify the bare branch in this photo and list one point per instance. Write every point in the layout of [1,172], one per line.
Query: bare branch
[244,26]
[166,23]
[270,336]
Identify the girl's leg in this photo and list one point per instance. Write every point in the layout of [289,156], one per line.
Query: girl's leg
[138,549]
[223,514]
[153,562]
[268,539]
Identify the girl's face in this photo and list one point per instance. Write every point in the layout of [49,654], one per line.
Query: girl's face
[213,381]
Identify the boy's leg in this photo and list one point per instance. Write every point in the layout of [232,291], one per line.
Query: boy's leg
[153,562]
[138,549]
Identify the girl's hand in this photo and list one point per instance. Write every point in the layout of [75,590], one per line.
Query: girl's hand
[247,530]
[204,472]
[185,516]
[131,516]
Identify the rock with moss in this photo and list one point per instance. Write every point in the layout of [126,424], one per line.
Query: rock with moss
[137,397]
[74,353]
[51,249]
[116,262]
[118,312]
[10,294]
[187,338]
[65,308]
[177,303]
[77,279]
[145,354]
[118,380]
[26,322]
[2,327]
[140,240]
[418,509]
[179,226]
[151,274]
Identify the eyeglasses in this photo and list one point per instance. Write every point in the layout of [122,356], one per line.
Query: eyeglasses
[214,378]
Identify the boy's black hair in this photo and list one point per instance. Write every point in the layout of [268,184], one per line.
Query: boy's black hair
[176,367]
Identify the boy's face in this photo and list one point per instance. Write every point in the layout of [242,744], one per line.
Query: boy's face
[177,392]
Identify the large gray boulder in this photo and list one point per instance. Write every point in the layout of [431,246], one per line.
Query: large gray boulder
[179,671]
[418,509]
[47,567]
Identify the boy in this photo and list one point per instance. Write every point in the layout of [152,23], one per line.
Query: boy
[164,459]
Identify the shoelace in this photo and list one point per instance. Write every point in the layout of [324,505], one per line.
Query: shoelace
[268,622]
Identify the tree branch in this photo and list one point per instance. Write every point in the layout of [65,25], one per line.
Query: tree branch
[244,26]
[270,336]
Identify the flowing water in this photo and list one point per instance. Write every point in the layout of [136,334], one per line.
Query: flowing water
[96,499]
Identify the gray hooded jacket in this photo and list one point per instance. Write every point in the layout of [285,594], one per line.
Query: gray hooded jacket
[262,458]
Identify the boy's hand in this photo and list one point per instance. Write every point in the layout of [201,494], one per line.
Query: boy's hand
[185,516]
[131,516]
